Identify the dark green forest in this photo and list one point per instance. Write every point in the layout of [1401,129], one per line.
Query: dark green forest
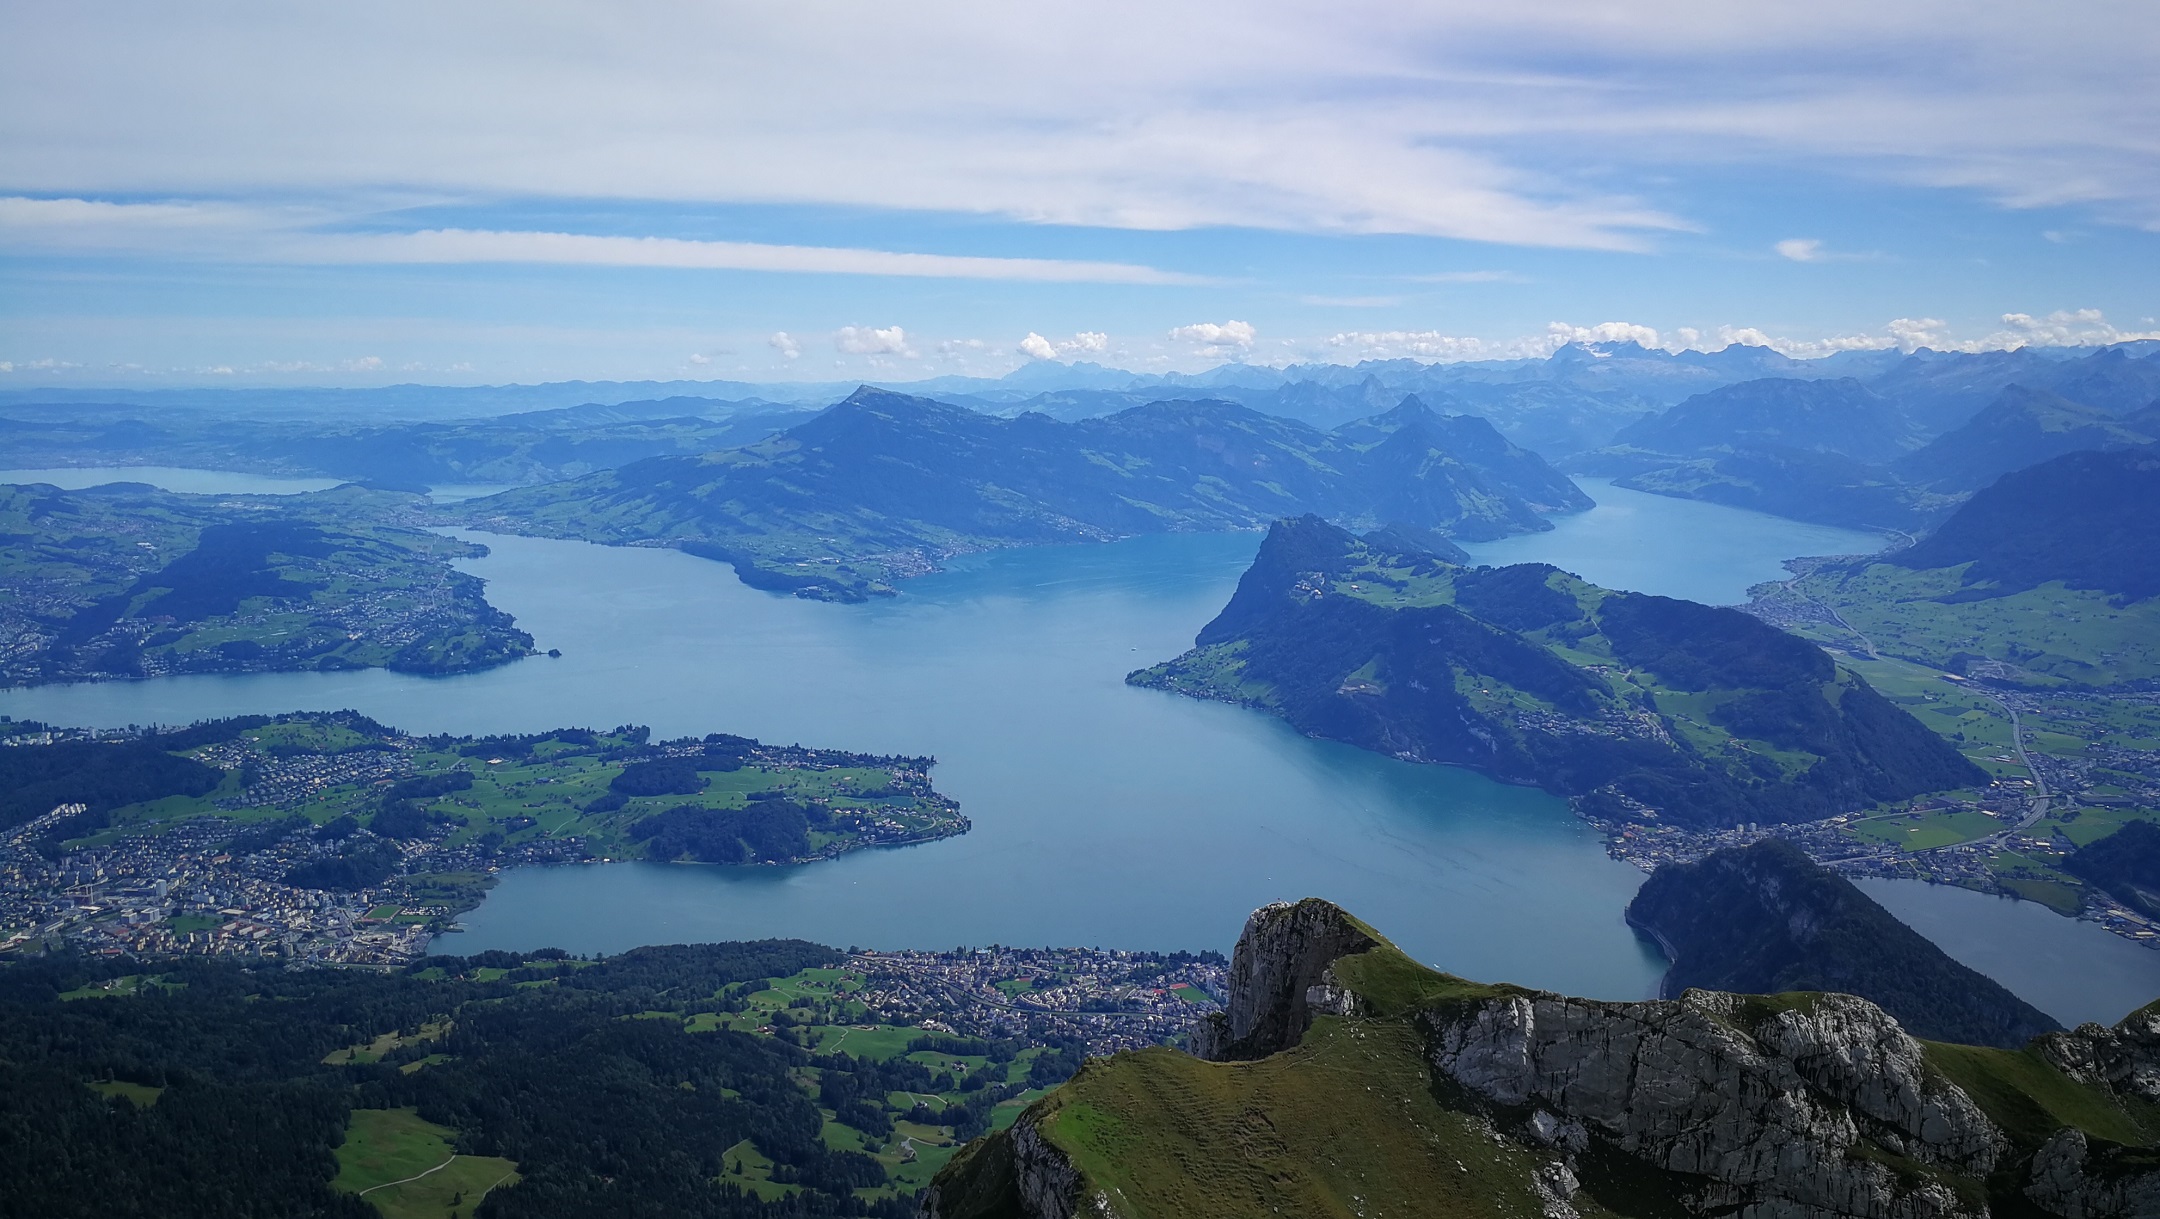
[545,1061]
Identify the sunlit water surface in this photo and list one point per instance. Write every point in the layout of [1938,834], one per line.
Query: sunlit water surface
[1102,814]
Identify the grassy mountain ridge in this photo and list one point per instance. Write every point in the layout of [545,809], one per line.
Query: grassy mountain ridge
[1638,706]
[883,485]
[1409,1092]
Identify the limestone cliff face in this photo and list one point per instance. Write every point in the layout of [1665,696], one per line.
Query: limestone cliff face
[1283,954]
[1808,1106]
[1794,1115]
[2124,1059]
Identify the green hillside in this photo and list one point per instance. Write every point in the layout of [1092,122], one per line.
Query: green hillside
[1640,706]
[125,581]
[1394,1106]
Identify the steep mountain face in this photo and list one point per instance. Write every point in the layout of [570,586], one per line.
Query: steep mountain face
[1839,415]
[2126,863]
[1766,919]
[1810,450]
[2020,428]
[1364,1083]
[883,485]
[2090,520]
[1639,707]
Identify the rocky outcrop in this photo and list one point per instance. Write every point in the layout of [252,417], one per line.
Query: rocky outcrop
[1020,1168]
[1796,1106]
[1281,958]
[1796,1115]
[2073,1179]
[2124,1059]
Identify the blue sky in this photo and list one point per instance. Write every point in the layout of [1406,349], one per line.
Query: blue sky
[256,194]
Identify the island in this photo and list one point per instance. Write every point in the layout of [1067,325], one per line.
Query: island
[330,838]
[127,581]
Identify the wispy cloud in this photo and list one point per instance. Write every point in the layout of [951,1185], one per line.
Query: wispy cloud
[1452,118]
[231,231]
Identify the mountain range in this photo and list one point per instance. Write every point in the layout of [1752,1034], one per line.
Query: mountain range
[1894,452]
[1641,708]
[884,485]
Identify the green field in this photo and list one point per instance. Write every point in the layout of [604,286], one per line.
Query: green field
[1923,831]
[409,1169]
[2046,634]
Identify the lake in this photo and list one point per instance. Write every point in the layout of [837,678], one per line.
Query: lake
[1103,814]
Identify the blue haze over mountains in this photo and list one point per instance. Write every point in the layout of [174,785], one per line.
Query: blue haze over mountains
[1866,444]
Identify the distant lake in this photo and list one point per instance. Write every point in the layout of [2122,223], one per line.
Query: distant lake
[170,478]
[190,481]
[1673,547]
[1103,815]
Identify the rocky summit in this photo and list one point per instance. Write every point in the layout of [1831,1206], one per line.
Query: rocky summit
[1343,1078]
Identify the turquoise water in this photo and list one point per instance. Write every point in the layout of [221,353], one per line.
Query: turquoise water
[1103,814]
[1672,547]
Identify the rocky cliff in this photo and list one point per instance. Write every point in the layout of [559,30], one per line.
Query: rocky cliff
[1395,1090]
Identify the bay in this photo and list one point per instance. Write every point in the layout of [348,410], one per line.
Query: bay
[1103,814]
[1684,548]
[2074,971]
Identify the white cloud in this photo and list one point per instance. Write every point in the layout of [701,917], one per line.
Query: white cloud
[700,358]
[873,341]
[1085,343]
[788,348]
[1800,249]
[1221,336]
[297,236]
[2063,328]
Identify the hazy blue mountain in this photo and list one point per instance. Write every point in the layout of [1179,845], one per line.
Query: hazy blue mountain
[2089,519]
[1839,416]
[2126,863]
[525,447]
[884,485]
[2021,427]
